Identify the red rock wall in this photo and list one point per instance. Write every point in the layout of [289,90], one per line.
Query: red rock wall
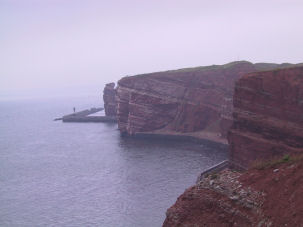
[265,196]
[268,115]
[186,100]
[109,98]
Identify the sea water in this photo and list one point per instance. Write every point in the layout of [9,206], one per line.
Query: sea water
[86,174]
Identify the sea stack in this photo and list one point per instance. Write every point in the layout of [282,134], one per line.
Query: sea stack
[109,98]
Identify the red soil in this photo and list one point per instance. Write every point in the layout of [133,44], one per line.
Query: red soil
[283,188]
[270,196]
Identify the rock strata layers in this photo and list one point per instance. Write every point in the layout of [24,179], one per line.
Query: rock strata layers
[109,98]
[194,100]
[268,116]
[186,100]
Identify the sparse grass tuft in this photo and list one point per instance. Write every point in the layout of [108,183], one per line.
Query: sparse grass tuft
[277,161]
[214,176]
[285,158]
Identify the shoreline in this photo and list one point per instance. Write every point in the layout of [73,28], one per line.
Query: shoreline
[185,137]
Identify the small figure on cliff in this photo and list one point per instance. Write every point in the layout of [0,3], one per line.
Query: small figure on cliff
[74,109]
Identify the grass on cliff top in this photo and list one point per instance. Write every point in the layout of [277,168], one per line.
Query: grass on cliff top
[258,67]
[275,162]
[210,67]
[198,68]
[271,66]
[264,67]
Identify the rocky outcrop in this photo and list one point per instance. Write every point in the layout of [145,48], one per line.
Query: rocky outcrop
[217,200]
[109,98]
[194,100]
[268,116]
[263,196]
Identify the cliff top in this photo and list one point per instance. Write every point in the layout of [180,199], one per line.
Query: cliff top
[257,67]
[194,69]
[211,67]
[282,68]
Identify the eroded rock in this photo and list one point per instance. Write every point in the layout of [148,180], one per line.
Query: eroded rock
[268,116]
[109,98]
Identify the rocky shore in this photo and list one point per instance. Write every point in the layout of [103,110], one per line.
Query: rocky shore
[192,137]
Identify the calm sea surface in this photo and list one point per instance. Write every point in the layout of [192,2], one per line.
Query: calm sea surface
[85,174]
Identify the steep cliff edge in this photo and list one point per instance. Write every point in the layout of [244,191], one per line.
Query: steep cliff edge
[268,122]
[109,99]
[193,101]
[268,115]
[187,100]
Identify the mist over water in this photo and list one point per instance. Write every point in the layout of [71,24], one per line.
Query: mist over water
[85,174]
[53,46]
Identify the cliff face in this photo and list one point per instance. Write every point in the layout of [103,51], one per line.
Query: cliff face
[194,100]
[268,115]
[268,122]
[187,100]
[109,98]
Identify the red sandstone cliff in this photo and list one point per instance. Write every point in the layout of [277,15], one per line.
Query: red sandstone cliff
[187,100]
[195,101]
[268,115]
[109,98]
[268,122]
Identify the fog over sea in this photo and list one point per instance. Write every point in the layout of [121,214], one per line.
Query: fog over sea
[85,174]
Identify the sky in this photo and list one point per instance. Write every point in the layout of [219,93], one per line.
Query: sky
[68,47]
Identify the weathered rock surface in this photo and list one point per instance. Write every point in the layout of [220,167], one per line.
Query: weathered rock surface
[184,101]
[269,195]
[268,115]
[217,200]
[109,98]
[268,122]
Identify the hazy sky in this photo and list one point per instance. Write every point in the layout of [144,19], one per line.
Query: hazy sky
[70,46]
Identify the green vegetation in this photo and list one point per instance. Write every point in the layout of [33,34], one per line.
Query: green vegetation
[258,67]
[273,163]
[210,67]
[214,176]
